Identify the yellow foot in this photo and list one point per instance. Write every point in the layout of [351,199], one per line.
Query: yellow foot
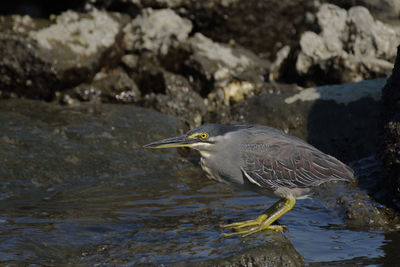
[238,225]
[244,233]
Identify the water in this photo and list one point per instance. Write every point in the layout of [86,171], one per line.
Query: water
[77,188]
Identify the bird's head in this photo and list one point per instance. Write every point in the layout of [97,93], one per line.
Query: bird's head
[200,138]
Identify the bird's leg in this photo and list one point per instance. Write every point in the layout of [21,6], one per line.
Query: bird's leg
[266,224]
[259,220]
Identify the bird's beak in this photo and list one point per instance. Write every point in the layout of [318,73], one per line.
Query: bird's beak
[177,141]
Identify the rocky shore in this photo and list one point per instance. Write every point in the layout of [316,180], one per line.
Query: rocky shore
[318,71]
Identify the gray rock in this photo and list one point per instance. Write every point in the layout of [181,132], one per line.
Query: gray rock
[38,57]
[333,118]
[384,9]
[234,72]
[275,253]
[277,66]
[156,31]
[83,167]
[212,57]
[352,46]
[179,99]
[114,86]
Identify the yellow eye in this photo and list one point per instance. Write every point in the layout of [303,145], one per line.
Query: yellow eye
[203,136]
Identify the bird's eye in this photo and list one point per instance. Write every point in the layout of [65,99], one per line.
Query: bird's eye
[203,136]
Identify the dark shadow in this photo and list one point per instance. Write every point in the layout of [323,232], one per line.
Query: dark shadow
[347,132]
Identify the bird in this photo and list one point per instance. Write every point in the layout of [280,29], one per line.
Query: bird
[263,159]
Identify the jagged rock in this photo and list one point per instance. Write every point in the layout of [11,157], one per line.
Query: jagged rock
[391,133]
[179,99]
[384,9]
[114,86]
[276,67]
[39,57]
[211,57]
[156,31]
[352,46]
[234,72]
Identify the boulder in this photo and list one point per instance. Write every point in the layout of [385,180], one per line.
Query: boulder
[334,118]
[114,86]
[390,129]
[351,46]
[39,56]
[179,99]
[156,31]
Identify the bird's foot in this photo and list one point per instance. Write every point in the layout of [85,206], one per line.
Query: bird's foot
[256,229]
[255,222]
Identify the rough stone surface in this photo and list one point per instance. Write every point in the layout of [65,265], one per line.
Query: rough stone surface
[342,93]
[391,132]
[267,27]
[275,253]
[352,46]
[179,99]
[36,60]
[115,87]
[156,31]
[233,72]
[212,56]
[384,9]
[336,123]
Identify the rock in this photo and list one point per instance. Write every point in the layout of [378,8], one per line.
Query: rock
[225,73]
[85,160]
[363,214]
[211,57]
[135,4]
[38,58]
[332,118]
[384,9]
[156,31]
[352,46]
[390,129]
[114,86]
[267,27]
[277,66]
[275,253]
[179,100]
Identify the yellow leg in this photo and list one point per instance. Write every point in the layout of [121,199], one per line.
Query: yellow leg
[266,224]
[259,220]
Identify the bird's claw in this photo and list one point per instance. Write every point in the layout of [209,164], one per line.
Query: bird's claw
[244,233]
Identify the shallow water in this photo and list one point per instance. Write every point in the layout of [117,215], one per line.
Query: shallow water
[76,187]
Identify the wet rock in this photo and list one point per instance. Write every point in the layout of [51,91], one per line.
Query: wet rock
[156,31]
[333,118]
[114,86]
[352,46]
[38,57]
[55,143]
[363,214]
[275,253]
[179,99]
[391,134]
[79,168]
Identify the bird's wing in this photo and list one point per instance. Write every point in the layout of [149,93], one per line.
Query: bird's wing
[273,162]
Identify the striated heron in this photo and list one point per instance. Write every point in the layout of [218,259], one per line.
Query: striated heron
[263,159]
